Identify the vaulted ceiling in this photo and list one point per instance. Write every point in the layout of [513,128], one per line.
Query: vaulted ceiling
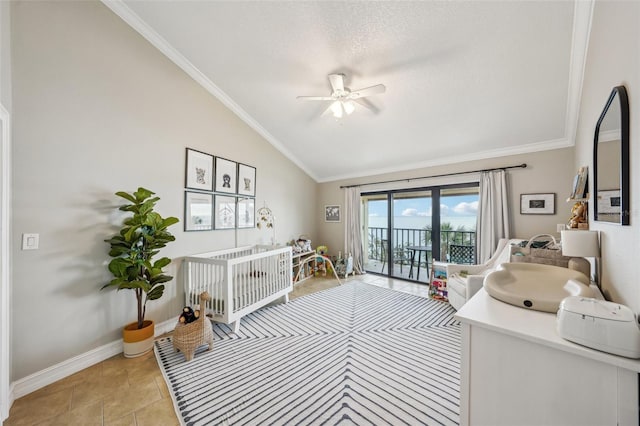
[464,79]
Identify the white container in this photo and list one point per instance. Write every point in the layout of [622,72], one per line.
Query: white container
[605,326]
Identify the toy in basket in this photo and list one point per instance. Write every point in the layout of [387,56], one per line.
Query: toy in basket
[189,336]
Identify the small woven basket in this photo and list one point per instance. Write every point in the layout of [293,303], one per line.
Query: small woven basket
[189,337]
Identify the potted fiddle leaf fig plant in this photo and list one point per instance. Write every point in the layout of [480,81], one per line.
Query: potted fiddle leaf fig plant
[134,266]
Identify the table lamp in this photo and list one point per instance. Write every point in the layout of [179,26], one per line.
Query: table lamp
[578,245]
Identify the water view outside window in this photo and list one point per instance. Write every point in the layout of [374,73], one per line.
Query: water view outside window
[457,212]
[415,222]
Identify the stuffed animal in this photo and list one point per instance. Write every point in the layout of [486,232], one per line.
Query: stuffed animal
[578,215]
[304,244]
[188,315]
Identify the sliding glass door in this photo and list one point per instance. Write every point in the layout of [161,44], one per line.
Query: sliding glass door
[458,216]
[376,232]
[404,230]
[411,234]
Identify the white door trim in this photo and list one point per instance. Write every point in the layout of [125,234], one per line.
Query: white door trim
[5,262]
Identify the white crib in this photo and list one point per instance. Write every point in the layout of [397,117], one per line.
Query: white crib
[239,280]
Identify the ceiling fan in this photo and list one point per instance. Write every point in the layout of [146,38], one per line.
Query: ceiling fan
[343,98]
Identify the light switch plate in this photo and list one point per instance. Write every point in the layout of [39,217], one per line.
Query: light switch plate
[30,241]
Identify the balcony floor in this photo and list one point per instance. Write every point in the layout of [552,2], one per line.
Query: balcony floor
[399,271]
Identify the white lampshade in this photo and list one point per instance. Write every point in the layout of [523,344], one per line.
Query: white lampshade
[580,243]
[336,108]
[349,107]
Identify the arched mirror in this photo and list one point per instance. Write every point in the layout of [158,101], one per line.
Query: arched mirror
[611,160]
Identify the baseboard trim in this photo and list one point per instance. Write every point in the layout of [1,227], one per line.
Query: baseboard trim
[52,374]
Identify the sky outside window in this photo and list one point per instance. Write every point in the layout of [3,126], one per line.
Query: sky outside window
[415,213]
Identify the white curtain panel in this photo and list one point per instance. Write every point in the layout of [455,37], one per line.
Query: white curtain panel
[493,213]
[353,228]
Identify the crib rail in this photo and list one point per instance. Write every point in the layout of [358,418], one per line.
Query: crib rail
[238,280]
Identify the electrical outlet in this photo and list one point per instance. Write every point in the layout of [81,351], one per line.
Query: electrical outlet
[560,227]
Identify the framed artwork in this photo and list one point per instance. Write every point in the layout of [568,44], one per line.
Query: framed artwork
[246,180]
[332,213]
[225,212]
[538,203]
[199,170]
[198,211]
[246,209]
[609,202]
[226,175]
[580,186]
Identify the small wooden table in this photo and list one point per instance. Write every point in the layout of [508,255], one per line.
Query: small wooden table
[419,249]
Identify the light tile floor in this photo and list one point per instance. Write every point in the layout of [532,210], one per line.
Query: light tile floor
[123,391]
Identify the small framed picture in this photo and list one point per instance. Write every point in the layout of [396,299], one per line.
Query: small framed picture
[225,212]
[538,203]
[609,202]
[226,175]
[198,170]
[246,209]
[198,211]
[332,213]
[246,180]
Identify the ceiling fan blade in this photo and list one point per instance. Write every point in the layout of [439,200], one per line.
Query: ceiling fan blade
[367,104]
[316,98]
[364,103]
[337,82]
[328,111]
[367,91]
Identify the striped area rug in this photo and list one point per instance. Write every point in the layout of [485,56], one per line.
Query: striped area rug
[353,354]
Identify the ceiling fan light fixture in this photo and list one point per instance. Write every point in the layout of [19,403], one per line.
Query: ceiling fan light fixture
[343,99]
[336,108]
[349,107]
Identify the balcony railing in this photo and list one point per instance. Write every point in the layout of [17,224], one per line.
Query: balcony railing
[402,238]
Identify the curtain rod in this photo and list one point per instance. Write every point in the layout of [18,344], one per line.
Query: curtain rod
[519,166]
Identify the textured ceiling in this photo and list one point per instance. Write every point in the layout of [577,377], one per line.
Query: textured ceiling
[465,80]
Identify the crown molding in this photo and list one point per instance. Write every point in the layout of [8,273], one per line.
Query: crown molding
[145,30]
[461,158]
[583,12]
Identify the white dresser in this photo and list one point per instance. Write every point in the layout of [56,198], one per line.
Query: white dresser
[517,370]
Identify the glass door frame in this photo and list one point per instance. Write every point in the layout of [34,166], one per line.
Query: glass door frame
[435,195]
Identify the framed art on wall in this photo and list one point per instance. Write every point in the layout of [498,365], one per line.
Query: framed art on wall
[246,208]
[332,213]
[198,170]
[609,201]
[198,210]
[538,203]
[226,175]
[246,180]
[225,212]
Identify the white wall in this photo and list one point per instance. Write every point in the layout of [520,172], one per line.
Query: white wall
[547,171]
[613,59]
[97,109]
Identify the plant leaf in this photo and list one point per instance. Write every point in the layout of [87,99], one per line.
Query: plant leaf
[126,196]
[155,293]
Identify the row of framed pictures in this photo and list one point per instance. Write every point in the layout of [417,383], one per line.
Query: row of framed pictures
[205,212]
[204,172]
